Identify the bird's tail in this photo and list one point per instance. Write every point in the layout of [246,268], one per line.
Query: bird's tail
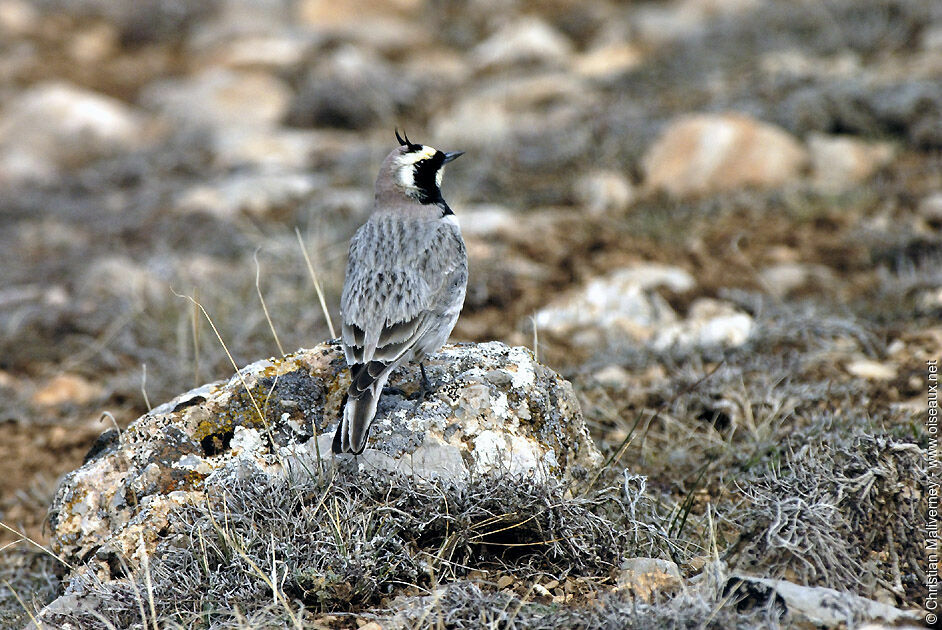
[362,398]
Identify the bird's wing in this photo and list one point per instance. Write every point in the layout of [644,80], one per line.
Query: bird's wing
[392,288]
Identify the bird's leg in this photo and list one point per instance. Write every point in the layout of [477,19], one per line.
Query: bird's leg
[426,386]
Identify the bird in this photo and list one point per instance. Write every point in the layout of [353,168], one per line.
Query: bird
[404,285]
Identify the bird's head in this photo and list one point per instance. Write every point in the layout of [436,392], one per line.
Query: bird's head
[417,169]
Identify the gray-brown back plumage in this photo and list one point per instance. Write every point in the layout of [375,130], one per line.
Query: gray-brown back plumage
[405,282]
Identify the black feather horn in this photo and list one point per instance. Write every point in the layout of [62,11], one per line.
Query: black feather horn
[405,142]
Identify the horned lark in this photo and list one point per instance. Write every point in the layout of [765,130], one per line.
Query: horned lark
[405,282]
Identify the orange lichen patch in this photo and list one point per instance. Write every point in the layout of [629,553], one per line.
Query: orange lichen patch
[244,409]
[184,480]
[281,366]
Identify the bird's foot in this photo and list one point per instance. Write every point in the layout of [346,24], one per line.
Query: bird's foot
[425,389]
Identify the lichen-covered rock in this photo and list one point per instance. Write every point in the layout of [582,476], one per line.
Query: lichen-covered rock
[493,409]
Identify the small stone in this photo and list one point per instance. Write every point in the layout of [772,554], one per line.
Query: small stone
[94,44]
[872,370]
[709,153]
[526,40]
[696,564]
[709,324]
[260,195]
[608,61]
[539,589]
[264,52]
[930,208]
[18,17]
[929,302]
[486,220]
[932,38]
[219,97]
[474,121]
[391,28]
[840,162]
[646,576]
[66,389]
[124,278]
[781,279]
[793,62]
[604,191]
[265,149]
[665,22]
[613,376]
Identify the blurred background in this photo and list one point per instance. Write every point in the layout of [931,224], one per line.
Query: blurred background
[652,191]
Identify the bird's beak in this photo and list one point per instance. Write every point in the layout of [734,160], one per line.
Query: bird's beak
[453,155]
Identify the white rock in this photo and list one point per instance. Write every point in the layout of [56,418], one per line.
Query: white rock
[709,153]
[258,35]
[612,376]
[486,220]
[271,52]
[265,149]
[604,191]
[124,278]
[618,303]
[795,62]
[624,304]
[929,301]
[930,208]
[219,97]
[840,162]
[829,608]
[932,38]
[710,323]
[871,370]
[608,61]
[389,27]
[258,195]
[781,279]
[56,125]
[526,40]
[18,17]
[493,114]
[474,121]
[665,22]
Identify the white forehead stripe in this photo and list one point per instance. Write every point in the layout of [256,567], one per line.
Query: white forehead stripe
[406,174]
[415,156]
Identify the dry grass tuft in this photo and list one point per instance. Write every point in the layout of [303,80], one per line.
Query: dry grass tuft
[345,541]
[848,512]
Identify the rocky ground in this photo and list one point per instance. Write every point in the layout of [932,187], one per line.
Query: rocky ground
[721,220]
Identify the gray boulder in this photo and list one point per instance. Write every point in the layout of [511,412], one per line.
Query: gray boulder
[494,409]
